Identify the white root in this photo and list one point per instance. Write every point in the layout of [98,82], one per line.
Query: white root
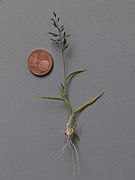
[74,154]
[77,157]
[73,160]
[61,151]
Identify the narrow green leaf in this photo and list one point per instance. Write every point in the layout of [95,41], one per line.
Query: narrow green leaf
[81,108]
[74,74]
[51,98]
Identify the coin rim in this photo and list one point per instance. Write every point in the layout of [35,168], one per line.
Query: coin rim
[50,62]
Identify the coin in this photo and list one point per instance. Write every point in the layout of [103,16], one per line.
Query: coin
[40,62]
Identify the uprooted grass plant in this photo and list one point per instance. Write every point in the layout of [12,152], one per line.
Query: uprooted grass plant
[60,38]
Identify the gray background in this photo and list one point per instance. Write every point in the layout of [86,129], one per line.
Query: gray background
[103,42]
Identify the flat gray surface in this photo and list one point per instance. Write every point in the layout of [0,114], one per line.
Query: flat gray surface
[103,42]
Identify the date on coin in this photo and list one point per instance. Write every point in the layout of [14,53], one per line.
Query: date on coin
[40,62]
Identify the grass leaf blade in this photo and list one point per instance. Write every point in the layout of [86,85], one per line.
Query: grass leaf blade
[71,75]
[81,108]
[51,98]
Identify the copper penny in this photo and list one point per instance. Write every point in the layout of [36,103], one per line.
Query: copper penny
[40,62]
